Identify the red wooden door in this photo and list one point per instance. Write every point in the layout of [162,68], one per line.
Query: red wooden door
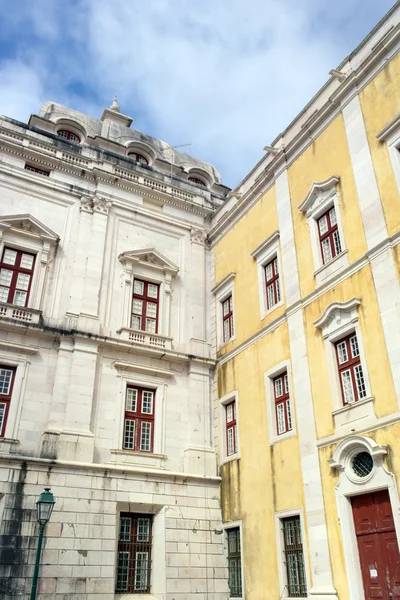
[377,546]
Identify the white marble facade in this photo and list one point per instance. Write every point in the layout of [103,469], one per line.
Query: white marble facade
[96,222]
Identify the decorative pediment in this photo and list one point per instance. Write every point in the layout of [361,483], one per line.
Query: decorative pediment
[150,257]
[27,225]
[319,192]
[338,312]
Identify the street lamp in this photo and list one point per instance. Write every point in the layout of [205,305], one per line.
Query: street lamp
[44,507]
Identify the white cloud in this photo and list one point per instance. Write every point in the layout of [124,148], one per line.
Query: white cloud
[225,75]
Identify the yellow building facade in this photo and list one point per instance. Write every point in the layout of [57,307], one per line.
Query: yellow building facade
[305,286]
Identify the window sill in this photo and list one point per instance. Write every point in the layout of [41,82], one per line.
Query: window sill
[223,344]
[230,458]
[20,314]
[353,415]
[145,339]
[330,269]
[147,459]
[270,310]
[284,436]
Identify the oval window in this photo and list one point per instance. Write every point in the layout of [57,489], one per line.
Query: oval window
[139,158]
[197,181]
[68,135]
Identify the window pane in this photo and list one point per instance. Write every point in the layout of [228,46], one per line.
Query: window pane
[268,271]
[143,530]
[152,290]
[354,346]
[362,392]
[226,307]
[294,558]
[27,261]
[230,442]
[326,250]
[147,402]
[5,277]
[226,330]
[131,399]
[137,306]
[231,324]
[270,296]
[5,381]
[289,415]
[122,571]
[275,263]
[229,413]
[337,244]
[150,325]
[278,387]
[278,290]
[285,383]
[20,298]
[129,434]
[138,287]
[125,529]
[323,225]
[145,437]
[151,309]
[10,256]
[347,384]
[342,352]
[332,217]
[280,414]
[141,570]
[23,281]
[234,563]
[2,415]
[136,322]
[4,294]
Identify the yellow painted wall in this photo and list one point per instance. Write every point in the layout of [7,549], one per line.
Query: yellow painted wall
[380,103]
[328,155]
[266,479]
[233,252]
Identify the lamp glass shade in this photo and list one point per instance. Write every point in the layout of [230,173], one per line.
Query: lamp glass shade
[44,506]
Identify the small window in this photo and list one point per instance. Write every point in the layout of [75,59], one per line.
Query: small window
[231,428]
[139,419]
[351,374]
[145,306]
[134,554]
[16,272]
[37,170]
[69,135]
[283,409]
[234,562]
[197,181]
[329,238]
[227,319]
[294,558]
[273,289]
[7,375]
[139,158]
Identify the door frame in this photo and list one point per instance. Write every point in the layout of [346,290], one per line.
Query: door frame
[350,485]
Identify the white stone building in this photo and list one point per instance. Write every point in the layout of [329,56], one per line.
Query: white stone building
[105,362]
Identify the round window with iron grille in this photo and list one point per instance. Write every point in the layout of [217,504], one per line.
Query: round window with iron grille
[362,464]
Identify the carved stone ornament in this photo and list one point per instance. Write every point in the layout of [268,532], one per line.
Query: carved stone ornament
[198,235]
[87,204]
[93,204]
[25,225]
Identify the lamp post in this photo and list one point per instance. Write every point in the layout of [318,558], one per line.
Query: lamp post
[44,507]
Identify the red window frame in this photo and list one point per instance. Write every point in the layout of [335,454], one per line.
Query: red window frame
[331,235]
[139,158]
[283,407]
[146,300]
[69,135]
[134,553]
[5,398]
[16,270]
[230,428]
[37,170]
[351,375]
[135,418]
[227,318]
[197,181]
[272,283]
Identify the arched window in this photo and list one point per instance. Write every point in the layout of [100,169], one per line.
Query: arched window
[197,181]
[139,158]
[68,135]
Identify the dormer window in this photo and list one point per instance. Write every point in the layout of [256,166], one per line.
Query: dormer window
[197,181]
[69,135]
[139,158]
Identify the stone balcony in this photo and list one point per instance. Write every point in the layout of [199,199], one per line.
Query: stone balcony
[20,314]
[144,338]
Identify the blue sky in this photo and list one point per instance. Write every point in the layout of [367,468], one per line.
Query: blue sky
[226,76]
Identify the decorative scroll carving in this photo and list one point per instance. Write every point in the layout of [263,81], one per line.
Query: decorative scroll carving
[198,235]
